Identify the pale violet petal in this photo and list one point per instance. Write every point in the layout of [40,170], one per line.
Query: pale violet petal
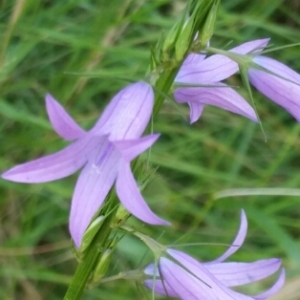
[93,185]
[217,67]
[150,269]
[196,110]
[131,198]
[255,46]
[238,241]
[274,289]
[54,166]
[161,288]
[61,121]
[278,68]
[130,149]
[235,274]
[223,97]
[190,285]
[193,60]
[128,113]
[281,91]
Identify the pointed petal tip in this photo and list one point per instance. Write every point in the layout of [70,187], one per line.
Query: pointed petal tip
[131,198]
[61,121]
[49,98]
[243,216]
[76,234]
[6,175]
[157,222]
[273,289]
[50,101]
[15,176]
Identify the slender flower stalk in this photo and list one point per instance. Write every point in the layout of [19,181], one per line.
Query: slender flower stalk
[183,277]
[272,78]
[104,153]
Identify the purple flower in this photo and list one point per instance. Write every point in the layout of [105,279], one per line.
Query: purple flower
[209,72]
[183,277]
[272,78]
[283,89]
[104,153]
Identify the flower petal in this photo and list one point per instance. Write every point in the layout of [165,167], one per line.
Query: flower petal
[62,123]
[55,166]
[223,97]
[150,269]
[191,285]
[130,149]
[238,241]
[235,274]
[274,289]
[196,110]
[217,67]
[283,92]
[131,197]
[93,185]
[161,288]
[251,47]
[128,113]
[193,61]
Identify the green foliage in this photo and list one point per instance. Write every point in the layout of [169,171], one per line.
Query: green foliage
[80,51]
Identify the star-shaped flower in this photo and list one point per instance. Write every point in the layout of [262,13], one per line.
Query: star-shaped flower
[104,153]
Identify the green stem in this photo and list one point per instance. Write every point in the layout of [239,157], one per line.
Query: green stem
[163,85]
[92,256]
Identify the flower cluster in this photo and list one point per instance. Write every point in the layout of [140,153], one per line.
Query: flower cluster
[105,152]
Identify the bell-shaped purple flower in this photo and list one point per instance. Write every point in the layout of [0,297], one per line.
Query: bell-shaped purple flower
[272,78]
[183,277]
[104,153]
[208,72]
[283,86]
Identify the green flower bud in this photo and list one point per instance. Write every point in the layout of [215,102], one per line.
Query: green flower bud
[90,233]
[185,39]
[102,266]
[121,216]
[209,25]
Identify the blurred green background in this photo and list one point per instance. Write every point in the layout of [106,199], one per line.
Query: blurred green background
[75,50]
